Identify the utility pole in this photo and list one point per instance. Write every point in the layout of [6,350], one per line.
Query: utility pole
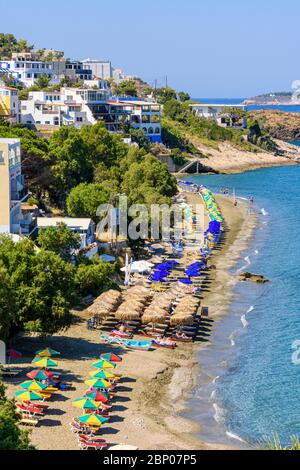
[155,87]
[166,81]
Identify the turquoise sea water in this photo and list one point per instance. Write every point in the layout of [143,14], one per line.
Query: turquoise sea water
[249,387]
[289,109]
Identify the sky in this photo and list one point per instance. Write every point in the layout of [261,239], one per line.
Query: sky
[209,48]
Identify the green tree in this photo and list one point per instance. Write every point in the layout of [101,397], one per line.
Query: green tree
[84,199]
[94,277]
[173,109]
[183,96]
[42,81]
[149,182]
[60,240]
[41,286]
[165,94]
[125,88]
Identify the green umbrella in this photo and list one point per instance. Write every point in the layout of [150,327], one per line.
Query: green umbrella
[92,420]
[33,385]
[98,383]
[27,396]
[44,362]
[103,364]
[86,403]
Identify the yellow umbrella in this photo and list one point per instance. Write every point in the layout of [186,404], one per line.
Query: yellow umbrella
[102,374]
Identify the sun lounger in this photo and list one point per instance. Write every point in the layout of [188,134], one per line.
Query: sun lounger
[92,445]
[10,372]
[89,438]
[28,422]
[30,409]
[118,334]
[157,344]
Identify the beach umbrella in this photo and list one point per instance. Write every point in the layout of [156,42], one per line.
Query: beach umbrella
[39,374]
[173,262]
[111,357]
[127,315]
[102,374]
[27,395]
[104,364]
[155,317]
[47,352]
[185,280]
[86,403]
[33,385]
[98,383]
[92,420]
[44,362]
[98,396]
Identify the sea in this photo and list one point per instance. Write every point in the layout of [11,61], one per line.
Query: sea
[249,386]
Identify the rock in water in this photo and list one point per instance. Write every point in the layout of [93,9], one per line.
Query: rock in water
[246,276]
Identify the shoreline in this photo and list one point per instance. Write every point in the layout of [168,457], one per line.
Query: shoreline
[158,384]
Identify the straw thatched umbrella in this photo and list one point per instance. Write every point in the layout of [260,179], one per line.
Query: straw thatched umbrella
[181,319]
[154,317]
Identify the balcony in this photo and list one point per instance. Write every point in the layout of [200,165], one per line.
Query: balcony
[18,196]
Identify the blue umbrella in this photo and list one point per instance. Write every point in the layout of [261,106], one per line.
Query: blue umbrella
[185,280]
[161,273]
[163,266]
[173,262]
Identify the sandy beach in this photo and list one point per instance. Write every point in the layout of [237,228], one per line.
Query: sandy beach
[156,384]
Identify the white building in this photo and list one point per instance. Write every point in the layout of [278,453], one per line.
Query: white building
[12,190]
[100,68]
[27,70]
[221,113]
[46,111]
[83,226]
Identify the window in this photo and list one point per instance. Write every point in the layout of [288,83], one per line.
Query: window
[150,130]
[79,119]
[1,157]
[157,130]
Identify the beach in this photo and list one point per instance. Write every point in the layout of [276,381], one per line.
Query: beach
[156,384]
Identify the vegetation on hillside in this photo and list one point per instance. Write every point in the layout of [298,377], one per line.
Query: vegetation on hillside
[9,44]
[180,120]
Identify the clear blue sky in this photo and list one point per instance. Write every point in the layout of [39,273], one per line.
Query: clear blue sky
[211,48]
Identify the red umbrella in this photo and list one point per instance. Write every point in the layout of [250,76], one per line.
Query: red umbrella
[98,396]
[14,354]
[39,374]
[110,357]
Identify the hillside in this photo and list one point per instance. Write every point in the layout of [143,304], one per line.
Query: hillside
[225,154]
[279,124]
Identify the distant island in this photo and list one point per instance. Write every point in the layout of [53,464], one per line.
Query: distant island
[283,98]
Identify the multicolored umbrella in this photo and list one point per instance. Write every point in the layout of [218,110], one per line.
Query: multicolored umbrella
[33,385]
[98,396]
[86,403]
[44,362]
[47,352]
[39,374]
[92,419]
[28,395]
[103,364]
[102,374]
[110,357]
[98,383]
